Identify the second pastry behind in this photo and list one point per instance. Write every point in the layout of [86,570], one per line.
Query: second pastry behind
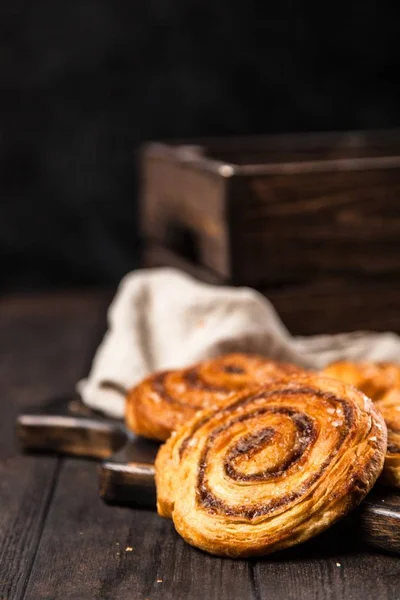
[166,400]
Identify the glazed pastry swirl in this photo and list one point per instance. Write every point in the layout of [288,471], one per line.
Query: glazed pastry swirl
[381,382]
[272,468]
[164,401]
[389,406]
[374,379]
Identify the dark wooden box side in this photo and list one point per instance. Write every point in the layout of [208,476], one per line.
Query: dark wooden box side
[302,227]
[183,207]
[330,305]
[274,222]
[283,148]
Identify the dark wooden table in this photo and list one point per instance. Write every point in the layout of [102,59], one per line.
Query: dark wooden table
[58,541]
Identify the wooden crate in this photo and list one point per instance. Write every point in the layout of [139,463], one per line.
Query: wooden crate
[315,216]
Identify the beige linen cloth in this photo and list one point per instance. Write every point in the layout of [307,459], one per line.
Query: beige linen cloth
[162,318]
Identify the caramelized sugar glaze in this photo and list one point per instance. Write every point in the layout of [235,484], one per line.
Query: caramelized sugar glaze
[272,467]
[381,382]
[165,400]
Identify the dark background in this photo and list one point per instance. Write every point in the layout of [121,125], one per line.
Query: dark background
[84,83]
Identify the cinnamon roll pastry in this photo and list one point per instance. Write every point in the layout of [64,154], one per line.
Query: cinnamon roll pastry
[372,378]
[165,400]
[389,406]
[273,467]
[381,382]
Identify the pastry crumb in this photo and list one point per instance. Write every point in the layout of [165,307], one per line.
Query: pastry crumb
[159,580]
[129,549]
[338,564]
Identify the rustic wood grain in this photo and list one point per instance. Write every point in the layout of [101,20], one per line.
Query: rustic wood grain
[379,522]
[327,305]
[128,477]
[285,209]
[294,147]
[67,426]
[282,148]
[301,226]
[330,568]
[190,213]
[59,541]
[335,306]
[91,551]
[45,343]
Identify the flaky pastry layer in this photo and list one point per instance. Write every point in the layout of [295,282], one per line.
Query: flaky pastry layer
[166,400]
[381,382]
[273,467]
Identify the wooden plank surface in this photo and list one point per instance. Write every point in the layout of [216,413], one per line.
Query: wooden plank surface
[59,541]
[85,552]
[333,566]
[44,347]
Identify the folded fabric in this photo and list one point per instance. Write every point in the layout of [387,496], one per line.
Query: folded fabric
[163,319]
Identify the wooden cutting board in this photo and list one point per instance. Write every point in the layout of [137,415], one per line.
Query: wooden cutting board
[126,470]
